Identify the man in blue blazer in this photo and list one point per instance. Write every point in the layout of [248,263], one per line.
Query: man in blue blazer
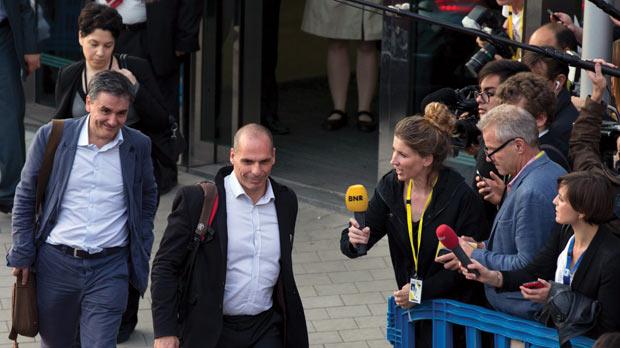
[18,52]
[96,226]
[526,219]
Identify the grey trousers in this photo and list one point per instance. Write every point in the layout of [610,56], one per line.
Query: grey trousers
[12,142]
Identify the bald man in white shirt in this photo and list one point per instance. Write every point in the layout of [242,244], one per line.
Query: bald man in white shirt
[245,294]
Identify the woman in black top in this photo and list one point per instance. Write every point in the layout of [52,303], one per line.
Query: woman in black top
[99,27]
[438,195]
[583,255]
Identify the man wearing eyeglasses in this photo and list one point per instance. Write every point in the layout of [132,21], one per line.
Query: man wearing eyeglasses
[489,79]
[526,218]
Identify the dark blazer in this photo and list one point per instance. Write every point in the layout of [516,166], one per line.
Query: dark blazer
[172,25]
[23,25]
[562,125]
[454,203]
[148,103]
[203,323]
[598,275]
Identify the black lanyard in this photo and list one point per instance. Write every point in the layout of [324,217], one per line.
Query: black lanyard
[85,75]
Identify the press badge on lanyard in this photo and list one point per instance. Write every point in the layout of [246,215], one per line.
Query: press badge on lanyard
[415,293]
[415,290]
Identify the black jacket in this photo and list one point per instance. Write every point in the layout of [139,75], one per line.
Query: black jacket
[585,151]
[598,275]
[171,25]
[148,103]
[562,125]
[203,324]
[454,203]
[485,168]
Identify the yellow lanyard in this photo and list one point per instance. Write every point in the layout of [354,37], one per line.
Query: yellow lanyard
[517,55]
[410,224]
[539,155]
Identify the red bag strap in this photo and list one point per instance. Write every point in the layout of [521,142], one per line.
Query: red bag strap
[209,208]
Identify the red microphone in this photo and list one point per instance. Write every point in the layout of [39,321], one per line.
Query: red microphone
[449,239]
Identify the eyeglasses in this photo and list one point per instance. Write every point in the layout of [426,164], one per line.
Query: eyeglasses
[489,154]
[485,96]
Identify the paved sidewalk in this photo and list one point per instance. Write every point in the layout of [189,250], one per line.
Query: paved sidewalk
[344,300]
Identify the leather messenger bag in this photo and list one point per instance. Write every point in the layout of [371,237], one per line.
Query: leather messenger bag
[24,314]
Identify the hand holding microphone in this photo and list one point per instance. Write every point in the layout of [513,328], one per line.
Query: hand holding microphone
[356,201]
[449,239]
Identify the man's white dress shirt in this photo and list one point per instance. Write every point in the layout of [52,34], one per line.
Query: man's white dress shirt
[93,210]
[253,261]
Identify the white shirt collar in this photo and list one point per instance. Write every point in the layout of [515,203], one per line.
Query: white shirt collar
[83,139]
[237,190]
[540,135]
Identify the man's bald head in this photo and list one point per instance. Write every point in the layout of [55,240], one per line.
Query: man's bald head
[252,131]
[554,35]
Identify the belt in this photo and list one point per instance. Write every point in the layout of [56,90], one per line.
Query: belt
[134,27]
[82,254]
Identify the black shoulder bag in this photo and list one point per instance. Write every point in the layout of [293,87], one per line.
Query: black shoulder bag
[203,233]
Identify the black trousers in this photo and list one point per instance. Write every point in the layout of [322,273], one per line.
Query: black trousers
[252,331]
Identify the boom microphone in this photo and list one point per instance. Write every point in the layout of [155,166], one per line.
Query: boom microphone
[448,238]
[356,200]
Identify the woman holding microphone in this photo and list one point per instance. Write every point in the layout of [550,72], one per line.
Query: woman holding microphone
[411,201]
[583,255]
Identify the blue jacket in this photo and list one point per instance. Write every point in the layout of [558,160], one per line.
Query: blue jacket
[140,194]
[521,228]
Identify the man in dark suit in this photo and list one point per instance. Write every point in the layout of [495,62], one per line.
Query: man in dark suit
[18,52]
[162,32]
[242,293]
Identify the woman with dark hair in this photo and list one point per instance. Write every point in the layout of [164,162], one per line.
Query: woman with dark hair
[584,255]
[99,27]
[411,201]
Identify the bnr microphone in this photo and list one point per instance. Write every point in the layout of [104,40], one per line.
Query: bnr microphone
[448,238]
[356,200]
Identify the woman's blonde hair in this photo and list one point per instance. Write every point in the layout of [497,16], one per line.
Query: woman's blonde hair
[429,134]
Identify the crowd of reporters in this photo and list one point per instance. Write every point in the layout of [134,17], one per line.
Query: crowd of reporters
[544,221]
[539,219]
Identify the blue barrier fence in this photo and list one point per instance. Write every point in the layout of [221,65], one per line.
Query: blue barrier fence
[447,313]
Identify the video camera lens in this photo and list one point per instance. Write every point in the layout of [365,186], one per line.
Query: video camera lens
[480,59]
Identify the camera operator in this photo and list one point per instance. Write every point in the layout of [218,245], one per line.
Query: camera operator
[489,78]
[512,10]
[585,139]
[508,25]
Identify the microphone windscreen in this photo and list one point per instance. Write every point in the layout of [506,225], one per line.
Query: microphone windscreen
[356,198]
[446,96]
[447,236]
